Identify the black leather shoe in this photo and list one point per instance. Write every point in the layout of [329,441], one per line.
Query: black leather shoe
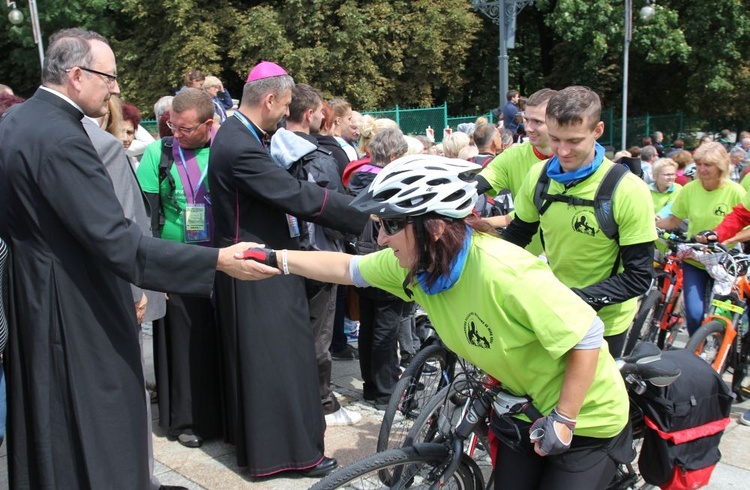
[321,469]
[172,487]
[187,438]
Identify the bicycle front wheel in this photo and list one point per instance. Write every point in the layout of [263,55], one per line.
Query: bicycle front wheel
[414,467]
[424,377]
[706,342]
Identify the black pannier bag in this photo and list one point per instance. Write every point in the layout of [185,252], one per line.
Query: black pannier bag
[684,424]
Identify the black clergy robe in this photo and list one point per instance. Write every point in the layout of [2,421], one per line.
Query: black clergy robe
[77,403]
[272,401]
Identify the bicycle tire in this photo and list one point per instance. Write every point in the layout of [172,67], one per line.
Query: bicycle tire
[416,467]
[441,409]
[412,391]
[643,322]
[705,342]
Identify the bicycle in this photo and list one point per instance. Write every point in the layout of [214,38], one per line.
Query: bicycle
[720,340]
[659,318]
[429,371]
[442,463]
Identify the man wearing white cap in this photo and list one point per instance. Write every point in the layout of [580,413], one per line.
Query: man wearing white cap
[274,414]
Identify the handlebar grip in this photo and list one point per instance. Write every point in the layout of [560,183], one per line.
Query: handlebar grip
[531,412]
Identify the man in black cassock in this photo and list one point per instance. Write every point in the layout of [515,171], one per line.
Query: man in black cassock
[274,414]
[77,400]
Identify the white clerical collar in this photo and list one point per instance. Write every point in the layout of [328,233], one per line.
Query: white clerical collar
[63,97]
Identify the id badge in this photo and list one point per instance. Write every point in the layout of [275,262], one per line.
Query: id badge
[196,226]
[293,225]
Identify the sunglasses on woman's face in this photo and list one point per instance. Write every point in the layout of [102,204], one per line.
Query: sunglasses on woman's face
[391,226]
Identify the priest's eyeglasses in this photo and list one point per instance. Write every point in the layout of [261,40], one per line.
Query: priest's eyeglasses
[110,80]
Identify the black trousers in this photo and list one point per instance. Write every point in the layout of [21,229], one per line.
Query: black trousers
[339,340]
[321,299]
[379,321]
[187,367]
[590,462]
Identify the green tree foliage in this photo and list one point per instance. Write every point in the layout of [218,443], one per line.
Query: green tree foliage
[376,53]
[373,53]
[20,68]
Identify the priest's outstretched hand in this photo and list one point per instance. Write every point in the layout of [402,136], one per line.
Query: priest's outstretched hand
[239,268]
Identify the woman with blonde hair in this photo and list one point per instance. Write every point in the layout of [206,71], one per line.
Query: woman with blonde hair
[454,143]
[704,202]
[368,128]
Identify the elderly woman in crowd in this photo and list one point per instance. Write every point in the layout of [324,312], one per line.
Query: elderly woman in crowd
[664,190]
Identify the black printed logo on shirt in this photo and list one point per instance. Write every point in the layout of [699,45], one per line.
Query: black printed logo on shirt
[721,210]
[584,222]
[477,332]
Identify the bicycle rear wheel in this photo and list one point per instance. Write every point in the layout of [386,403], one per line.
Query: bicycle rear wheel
[414,467]
[706,341]
[645,323]
[425,376]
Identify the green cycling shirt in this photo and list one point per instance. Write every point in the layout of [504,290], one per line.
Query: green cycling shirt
[508,315]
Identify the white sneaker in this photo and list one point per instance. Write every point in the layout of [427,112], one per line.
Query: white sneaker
[342,417]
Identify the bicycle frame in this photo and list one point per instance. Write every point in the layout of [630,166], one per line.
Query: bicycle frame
[671,288]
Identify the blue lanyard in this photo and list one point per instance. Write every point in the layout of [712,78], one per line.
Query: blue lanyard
[249,126]
[193,190]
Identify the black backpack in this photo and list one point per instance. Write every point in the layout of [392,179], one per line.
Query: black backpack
[684,424]
[602,202]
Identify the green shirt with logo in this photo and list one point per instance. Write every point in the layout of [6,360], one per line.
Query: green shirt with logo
[508,315]
[578,252]
[706,209]
[174,208]
[662,199]
[507,171]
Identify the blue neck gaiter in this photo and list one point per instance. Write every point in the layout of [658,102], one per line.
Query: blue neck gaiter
[556,173]
[446,282]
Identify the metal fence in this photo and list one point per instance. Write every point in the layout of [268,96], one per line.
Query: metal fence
[416,121]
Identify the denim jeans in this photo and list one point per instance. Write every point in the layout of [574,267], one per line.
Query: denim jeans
[695,285]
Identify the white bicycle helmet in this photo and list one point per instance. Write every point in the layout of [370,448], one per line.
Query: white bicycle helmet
[414,185]
[690,169]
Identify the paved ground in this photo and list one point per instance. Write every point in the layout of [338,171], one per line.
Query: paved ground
[213,466]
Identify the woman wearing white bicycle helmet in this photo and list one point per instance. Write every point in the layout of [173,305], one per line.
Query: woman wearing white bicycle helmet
[498,307]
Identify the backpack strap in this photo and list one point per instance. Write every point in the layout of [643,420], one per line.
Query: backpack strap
[165,167]
[603,209]
[540,191]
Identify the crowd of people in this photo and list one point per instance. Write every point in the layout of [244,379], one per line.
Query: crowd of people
[345,219]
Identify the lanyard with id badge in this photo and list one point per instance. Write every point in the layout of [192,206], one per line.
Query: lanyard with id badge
[197,219]
[291,221]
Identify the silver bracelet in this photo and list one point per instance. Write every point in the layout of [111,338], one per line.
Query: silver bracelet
[284,264]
